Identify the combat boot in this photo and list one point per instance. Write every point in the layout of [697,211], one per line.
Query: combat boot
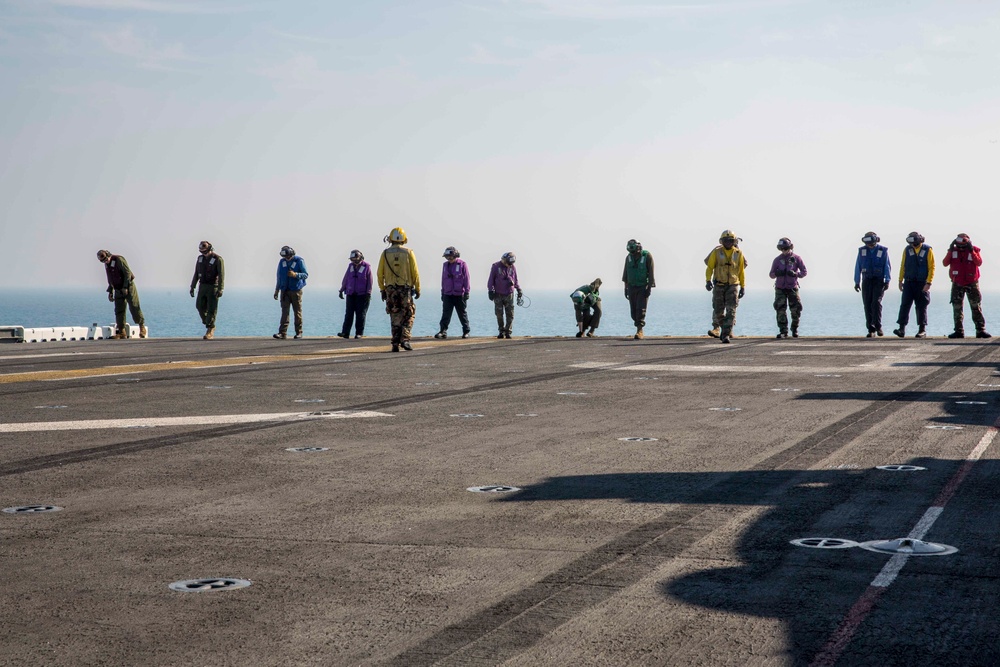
[921,333]
[142,331]
[983,334]
[958,333]
[406,346]
[901,332]
[119,335]
[714,333]
[209,333]
[638,334]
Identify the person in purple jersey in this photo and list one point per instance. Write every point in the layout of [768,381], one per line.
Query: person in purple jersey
[501,287]
[455,288]
[357,284]
[786,269]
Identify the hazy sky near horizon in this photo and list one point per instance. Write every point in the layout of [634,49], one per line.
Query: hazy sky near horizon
[557,129]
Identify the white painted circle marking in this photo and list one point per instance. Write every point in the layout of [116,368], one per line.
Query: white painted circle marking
[829,375]
[526,414]
[970,402]
[493,488]
[310,400]
[988,385]
[307,449]
[638,438]
[645,378]
[335,375]
[725,409]
[31,509]
[427,384]
[572,393]
[908,546]
[467,415]
[945,427]
[824,543]
[219,386]
[49,407]
[785,389]
[207,585]
[900,468]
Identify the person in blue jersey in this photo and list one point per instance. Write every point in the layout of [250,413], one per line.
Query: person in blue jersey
[872,273]
[291,280]
[455,288]
[916,273]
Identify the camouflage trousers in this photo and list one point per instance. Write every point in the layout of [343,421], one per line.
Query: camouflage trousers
[958,294]
[787,300]
[402,311]
[725,301]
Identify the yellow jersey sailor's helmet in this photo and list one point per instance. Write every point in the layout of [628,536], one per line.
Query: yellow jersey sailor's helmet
[397,235]
[728,234]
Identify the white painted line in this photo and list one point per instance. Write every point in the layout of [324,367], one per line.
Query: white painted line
[140,422]
[52,354]
[666,368]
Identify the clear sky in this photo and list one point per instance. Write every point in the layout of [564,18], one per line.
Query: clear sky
[557,129]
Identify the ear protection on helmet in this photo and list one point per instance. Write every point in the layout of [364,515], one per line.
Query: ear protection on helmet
[728,234]
[204,246]
[785,243]
[397,235]
[450,251]
[870,237]
[509,257]
[915,237]
[287,251]
[633,246]
[356,254]
[102,255]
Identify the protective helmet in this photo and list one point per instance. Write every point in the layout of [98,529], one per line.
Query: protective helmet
[785,243]
[287,251]
[728,234]
[577,296]
[509,257]
[963,239]
[356,254]
[633,246]
[451,252]
[204,246]
[915,237]
[870,237]
[102,255]
[597,283]
[397,235]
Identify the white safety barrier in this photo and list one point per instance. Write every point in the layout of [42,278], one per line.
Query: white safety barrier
[19,334]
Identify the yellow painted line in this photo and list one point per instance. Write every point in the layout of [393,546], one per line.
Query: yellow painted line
[127,369]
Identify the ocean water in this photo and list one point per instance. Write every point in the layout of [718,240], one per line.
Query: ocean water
[244,312]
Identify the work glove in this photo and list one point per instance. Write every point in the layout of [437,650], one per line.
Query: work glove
[275,295]
[491,294]
[520,294]
[885,288]
[900,285]
[111,297]
[341,294]
[465,298]
[742,292]
[626,292]
[708,285]
[857,287]
[442,297]
[125,293]
[383,294]
[218,294]
[649,290]
[192,291]
[292,274]
[416,294]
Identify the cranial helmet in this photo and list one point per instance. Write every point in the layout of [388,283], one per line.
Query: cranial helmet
[204,246]
[597,283]
[450,251]
[728,234]
[397,235]
[915,237]
[963,239]
[633,246]
[356,254]
[509,257]
[287,251]
[102,255]
[870,237]
[785,243]
[577,296]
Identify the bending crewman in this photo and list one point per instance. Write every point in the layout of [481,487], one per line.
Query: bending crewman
[587,305]
[122,292]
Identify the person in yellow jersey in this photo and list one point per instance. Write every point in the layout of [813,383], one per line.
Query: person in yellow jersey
[916,273]
[725,278]
[399,284]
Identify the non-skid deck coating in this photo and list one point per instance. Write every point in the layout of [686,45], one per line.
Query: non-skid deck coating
[170,460]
